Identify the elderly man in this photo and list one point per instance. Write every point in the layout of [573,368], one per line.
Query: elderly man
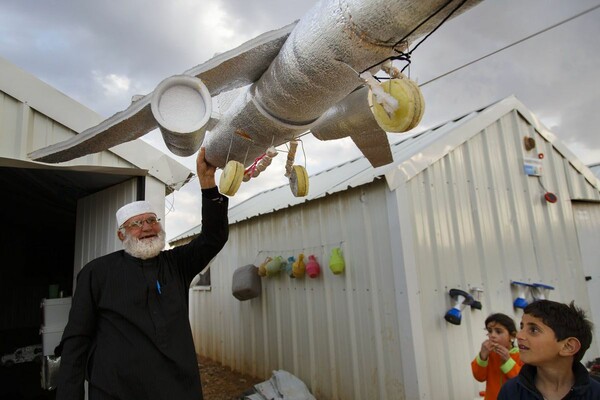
[128,333]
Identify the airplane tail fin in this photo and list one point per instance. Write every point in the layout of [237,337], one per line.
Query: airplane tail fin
[375,147]
[353,117]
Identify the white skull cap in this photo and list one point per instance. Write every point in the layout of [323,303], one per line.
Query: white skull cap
[133,209]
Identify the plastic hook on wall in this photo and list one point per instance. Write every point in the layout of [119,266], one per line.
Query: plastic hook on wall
[521,300]
[460,299]
[476,293]
[540,291]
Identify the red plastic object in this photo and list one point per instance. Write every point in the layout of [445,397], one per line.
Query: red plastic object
[313,269]
[550,197]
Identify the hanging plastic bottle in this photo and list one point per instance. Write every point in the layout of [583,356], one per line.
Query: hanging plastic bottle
[262,270]
[289,266]
[299,268]
[337,265]
[313,269]
[273,267]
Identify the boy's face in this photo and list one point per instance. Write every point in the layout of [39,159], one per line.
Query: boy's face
[537,342]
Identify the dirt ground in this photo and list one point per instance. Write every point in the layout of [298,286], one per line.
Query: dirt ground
[221,383]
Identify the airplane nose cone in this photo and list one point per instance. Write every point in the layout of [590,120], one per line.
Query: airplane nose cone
[181,105]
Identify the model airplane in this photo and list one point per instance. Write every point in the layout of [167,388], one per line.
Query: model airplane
[313,75]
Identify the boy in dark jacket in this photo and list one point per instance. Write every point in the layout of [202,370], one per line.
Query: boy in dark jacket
[552,341]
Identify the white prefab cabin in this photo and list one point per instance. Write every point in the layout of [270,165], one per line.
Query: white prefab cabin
[465,205]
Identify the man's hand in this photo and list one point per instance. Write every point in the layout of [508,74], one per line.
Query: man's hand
[205,171]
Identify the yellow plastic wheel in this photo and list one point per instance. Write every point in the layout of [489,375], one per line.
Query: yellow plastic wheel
[299,181]
[419,103]
[411,106]
[231,178]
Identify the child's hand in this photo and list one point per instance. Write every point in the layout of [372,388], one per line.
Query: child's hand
[486,348]
[502,352]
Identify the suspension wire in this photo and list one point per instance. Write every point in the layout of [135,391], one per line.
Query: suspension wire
[440,24]
[430,33]
[405,56]
[476,60]
[513,44]
[423,22]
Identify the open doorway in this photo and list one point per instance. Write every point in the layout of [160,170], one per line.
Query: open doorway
[37,247]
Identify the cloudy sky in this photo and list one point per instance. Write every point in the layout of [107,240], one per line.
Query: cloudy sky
[103,52]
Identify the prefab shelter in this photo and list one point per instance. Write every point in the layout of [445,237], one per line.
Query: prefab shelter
[474,204]
[58,217]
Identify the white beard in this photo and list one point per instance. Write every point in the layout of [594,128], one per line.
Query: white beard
[144,248]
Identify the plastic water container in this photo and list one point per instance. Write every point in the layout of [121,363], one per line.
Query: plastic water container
[55,312]
[246,283]
[55,315]
[50,339]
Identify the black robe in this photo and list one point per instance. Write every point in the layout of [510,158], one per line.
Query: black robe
[128,332]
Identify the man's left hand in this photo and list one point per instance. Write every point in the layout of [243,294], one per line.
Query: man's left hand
[205,171]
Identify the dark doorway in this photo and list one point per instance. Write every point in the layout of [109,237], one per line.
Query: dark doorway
[39,210]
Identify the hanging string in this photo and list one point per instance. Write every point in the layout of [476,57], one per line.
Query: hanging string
[303,152]
[247,151]
[229,150]
[324,250]
[171,204]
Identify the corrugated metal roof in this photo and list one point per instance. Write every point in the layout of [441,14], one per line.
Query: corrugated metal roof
[412,154]
[350,174]
[52,116]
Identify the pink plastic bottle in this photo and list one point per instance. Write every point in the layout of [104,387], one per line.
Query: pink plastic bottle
[313,269]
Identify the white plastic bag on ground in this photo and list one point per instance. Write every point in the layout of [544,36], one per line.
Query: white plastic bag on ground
[283,386]
[267,390]
[290,387]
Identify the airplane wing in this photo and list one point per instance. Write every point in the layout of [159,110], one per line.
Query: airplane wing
[226,71]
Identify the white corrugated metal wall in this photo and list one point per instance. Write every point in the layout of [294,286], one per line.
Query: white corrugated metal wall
[339,334]
[479,221]
[96,223]
[587,218]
